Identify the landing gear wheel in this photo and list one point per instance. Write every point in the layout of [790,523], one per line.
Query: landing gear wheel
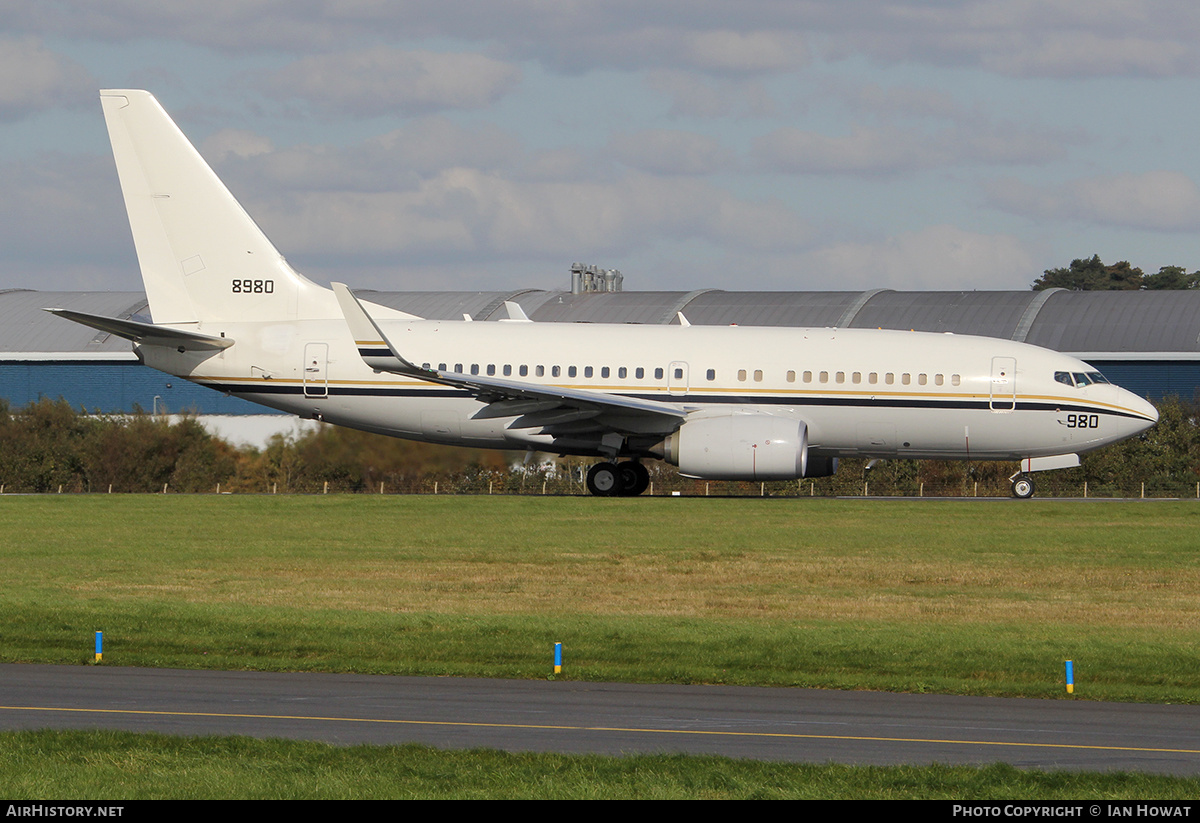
[604,480]
[1022,487]
[634,477]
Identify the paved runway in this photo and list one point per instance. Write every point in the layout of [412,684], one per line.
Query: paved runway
[523,715]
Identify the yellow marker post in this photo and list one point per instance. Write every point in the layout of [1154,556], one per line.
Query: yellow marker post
[558,658]
[1070,677]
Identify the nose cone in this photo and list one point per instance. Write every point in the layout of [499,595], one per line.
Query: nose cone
[1144,415]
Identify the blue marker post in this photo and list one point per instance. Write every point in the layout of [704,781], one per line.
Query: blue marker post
[1070,677]
[558,658]
[99,646]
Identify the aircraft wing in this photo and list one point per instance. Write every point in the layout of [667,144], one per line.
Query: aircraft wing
[534,404]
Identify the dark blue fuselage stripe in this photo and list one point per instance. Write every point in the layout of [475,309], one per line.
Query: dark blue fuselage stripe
[742,400]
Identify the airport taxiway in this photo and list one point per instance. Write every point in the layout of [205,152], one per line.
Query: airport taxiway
[807,725]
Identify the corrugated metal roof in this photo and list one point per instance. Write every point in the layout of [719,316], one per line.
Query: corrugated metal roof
[24,327]
[608,307]
[768,308]
[1118,321]
[1066,321]
[991,314]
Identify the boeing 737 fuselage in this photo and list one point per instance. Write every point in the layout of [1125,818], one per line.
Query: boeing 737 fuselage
[719,402]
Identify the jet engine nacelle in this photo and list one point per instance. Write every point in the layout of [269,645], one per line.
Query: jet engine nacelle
[742,446]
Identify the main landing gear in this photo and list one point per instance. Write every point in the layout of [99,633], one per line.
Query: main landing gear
[626,479]
[1022,486]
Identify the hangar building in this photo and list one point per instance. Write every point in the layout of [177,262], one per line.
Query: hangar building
[1146,341]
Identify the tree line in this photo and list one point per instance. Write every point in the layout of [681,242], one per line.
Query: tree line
[49,447]
[1095,275]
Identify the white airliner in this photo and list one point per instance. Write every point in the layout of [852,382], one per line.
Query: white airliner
[719,402]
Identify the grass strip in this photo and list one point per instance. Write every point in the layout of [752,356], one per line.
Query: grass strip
[107,765]
[947,596]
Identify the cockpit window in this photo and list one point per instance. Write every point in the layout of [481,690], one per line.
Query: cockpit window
[1064,377]
[1097,377]
[1081,379]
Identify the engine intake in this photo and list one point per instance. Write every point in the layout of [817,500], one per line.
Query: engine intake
[744,446]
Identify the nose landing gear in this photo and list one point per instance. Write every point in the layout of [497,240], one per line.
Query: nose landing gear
[1022,486]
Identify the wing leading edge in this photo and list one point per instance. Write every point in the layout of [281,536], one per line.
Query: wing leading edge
[534,404]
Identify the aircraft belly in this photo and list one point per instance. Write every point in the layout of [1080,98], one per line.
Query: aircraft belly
[934,433]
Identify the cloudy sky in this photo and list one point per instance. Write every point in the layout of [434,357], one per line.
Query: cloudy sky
[781,144]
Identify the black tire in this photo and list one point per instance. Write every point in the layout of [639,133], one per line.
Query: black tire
[635,478]
[604,480]
[1022,487]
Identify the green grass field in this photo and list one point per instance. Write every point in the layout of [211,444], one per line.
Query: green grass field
[114,766]
[948,596]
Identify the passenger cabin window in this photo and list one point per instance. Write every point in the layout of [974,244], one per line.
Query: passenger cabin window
[757,375]
[905,378]
[507,370]
[587,371]
[524,370]
[742,375]
[639,373]
[658,374]
[856,377]
[840,377]
[955,380]
[791,376]
[678,374]
[889,378]
[808,377]
[539,371]
[441,366]
[556,371]
[711,374]
[938,380]
[872,378]
[572,371]
[824,377]
[622,372]
[604,371]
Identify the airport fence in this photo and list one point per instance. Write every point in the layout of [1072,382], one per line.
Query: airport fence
[50,448]
[667,484]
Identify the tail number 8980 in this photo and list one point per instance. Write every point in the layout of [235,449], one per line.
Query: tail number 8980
[253,286]
[1083,421]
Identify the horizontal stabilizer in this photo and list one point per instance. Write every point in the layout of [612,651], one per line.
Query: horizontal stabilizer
[147,334]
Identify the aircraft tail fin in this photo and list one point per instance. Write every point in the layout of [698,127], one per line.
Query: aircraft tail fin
[202,257]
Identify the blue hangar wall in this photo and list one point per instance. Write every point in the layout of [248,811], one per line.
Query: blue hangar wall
[113,387]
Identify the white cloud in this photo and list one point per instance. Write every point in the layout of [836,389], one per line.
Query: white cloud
[695,95]
[667,151]
[1012,37]
[1166,201]
[466,213]
[37,78]
[385,80]
[935,257]
[890,149]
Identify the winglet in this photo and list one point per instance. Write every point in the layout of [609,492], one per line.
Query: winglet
[372,344]
[516,314]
